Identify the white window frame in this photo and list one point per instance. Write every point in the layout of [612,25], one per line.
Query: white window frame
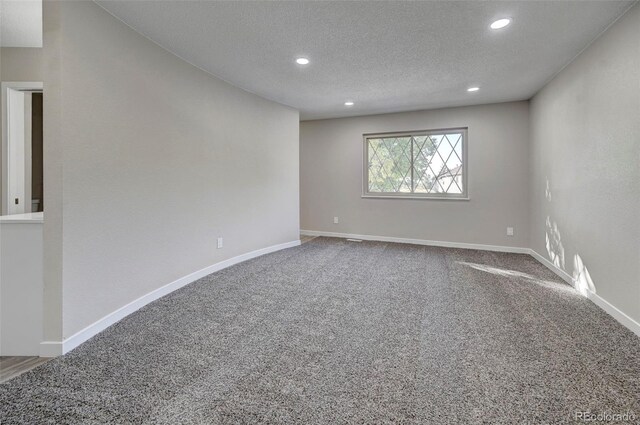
[464,196]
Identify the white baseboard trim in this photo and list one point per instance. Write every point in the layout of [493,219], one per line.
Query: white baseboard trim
[50,349]
[558,271]
[620,316]
[609,308]
[57,348]
[444,244]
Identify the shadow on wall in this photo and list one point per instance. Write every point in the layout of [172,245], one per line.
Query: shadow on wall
[553,239]
[581,277]
[582,281]
[547,191]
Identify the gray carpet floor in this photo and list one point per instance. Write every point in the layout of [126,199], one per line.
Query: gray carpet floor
[336,332]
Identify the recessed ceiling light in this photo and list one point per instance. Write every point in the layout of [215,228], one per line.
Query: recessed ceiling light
[500,23]
[349,103]
[302,61]
[473,89]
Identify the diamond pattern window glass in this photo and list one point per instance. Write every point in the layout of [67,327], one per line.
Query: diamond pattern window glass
[427,164]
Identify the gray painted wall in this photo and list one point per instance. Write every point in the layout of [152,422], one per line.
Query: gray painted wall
[21,64]
[331,178]
[585,167]
[148,161]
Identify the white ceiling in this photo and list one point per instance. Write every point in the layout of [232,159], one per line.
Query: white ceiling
[385,56]
[21,23]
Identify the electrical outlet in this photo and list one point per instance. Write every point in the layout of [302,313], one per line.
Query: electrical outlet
[509,231]
[336,220]
[219,243]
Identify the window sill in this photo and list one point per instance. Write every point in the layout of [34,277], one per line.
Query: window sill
[429,198]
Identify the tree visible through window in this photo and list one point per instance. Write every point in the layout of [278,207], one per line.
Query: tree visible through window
[421,164]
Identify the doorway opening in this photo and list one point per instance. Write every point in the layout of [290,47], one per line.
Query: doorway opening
[22,153]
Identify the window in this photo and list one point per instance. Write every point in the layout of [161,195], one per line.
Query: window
[419,164]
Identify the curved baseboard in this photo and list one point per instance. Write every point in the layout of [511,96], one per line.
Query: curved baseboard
[57,348]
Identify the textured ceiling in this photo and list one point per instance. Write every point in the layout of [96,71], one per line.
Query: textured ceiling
[385,56]
[21,23]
